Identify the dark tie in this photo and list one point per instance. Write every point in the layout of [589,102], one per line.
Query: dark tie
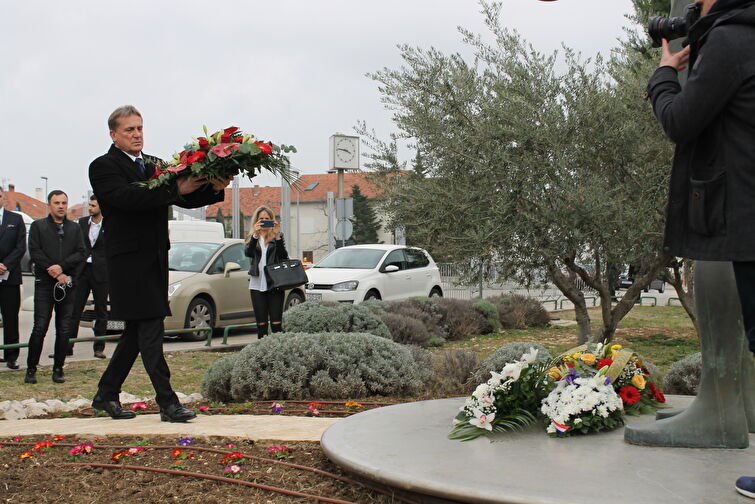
[140,166]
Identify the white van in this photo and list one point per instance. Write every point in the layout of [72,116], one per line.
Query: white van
[195,230]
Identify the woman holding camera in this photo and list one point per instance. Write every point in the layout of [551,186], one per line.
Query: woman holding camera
[264,245]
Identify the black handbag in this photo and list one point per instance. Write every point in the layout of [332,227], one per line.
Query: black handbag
[286,274]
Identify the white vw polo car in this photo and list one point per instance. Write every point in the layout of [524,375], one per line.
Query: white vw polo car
[360,272]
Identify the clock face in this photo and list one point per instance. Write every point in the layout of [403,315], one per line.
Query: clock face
[346,149]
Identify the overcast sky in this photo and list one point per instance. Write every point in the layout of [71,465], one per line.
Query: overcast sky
[288,71]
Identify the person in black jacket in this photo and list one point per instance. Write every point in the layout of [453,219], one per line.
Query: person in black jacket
[57,249]
[93,277]
[12,249]
[136,225]
[710,217]
[264,246]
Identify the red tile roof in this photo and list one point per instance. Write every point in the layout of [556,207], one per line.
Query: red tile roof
[252,197]
[19,201]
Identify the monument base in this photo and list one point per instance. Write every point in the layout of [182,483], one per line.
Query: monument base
[405,446]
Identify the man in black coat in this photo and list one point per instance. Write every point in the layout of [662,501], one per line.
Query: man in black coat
[136,226]
[57,250]
[12,249]
[93,277]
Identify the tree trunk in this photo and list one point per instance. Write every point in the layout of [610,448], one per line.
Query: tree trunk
[569,289]
[683,273]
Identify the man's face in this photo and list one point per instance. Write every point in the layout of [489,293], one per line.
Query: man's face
[94,208]
[58,206]
[128,136]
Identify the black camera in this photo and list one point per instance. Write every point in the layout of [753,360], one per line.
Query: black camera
[671,28]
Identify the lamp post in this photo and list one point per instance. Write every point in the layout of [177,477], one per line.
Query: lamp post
[45,179]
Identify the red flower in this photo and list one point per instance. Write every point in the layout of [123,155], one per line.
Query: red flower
[629,394]
[195,157]
[177,452]
[604,362]
[569,364]
[264,147]
[657,394]
[226,136]
[204,144]
[177,169]
[239,139]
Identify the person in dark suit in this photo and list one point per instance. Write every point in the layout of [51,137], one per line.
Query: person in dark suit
[136,225]
[93,277]
[12,249]
[57,249]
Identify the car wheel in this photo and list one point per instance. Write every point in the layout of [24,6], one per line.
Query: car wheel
[294,298]
[436,292]
[372,294]
[200,313]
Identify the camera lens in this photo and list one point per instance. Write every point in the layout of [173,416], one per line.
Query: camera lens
[666,28]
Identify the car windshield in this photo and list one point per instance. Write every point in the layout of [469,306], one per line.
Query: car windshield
[352,259]
[190,256]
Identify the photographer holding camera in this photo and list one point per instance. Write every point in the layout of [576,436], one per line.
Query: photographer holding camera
[711,211]
[57,249]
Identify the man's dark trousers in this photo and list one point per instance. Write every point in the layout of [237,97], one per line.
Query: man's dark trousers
[145,336]
[744,273]
[10,303]
[86,283]
[44,303]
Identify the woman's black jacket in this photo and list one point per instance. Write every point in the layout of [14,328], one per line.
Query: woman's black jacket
[276,252]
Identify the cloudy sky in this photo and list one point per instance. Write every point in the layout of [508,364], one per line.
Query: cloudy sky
[289,71]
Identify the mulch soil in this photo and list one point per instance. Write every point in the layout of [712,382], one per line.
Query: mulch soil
[44,476]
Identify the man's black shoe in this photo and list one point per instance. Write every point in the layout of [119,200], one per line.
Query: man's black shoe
[112,408]
[12,364]
[57,375]
[68,354]
[31,375]
[176,413]
[100,354]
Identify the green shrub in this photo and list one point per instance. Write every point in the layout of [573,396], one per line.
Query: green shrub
[423,360]
[318,317]
[519,312]
[490,312]
[216,382]
[453,371]
[683,376]
[376,306]
[405,329]
[509,352]
[326,365]
[462,321]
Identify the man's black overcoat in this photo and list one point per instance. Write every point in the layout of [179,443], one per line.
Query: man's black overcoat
[136,225]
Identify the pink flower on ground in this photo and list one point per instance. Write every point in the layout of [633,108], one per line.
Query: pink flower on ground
[204,408]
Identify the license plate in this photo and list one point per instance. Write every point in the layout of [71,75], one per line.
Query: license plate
[314,297]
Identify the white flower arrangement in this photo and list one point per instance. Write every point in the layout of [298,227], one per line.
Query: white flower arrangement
[583,404]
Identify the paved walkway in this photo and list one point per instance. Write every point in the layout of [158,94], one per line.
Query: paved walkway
[284,428]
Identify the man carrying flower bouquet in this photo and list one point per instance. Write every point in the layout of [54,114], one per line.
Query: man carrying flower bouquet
[136,224]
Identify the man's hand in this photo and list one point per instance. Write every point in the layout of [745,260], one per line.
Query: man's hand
[188,185]
[220,183]
[3,269]
[675,60]
[62,279]
[54,270]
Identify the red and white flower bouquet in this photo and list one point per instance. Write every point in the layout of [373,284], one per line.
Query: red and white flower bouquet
[223,154]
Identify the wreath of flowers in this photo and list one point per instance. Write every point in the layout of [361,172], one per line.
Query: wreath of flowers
[222,154]
[587,389]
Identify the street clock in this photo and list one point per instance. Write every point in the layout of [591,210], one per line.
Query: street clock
[344,152]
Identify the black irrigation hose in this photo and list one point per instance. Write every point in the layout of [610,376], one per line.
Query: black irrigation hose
[383,489]
[211,477]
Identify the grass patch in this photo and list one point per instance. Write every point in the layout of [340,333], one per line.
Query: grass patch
[187,370]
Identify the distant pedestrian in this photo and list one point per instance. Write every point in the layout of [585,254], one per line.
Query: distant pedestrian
[57,250]
[93,277]
[264,246]
[12,249]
